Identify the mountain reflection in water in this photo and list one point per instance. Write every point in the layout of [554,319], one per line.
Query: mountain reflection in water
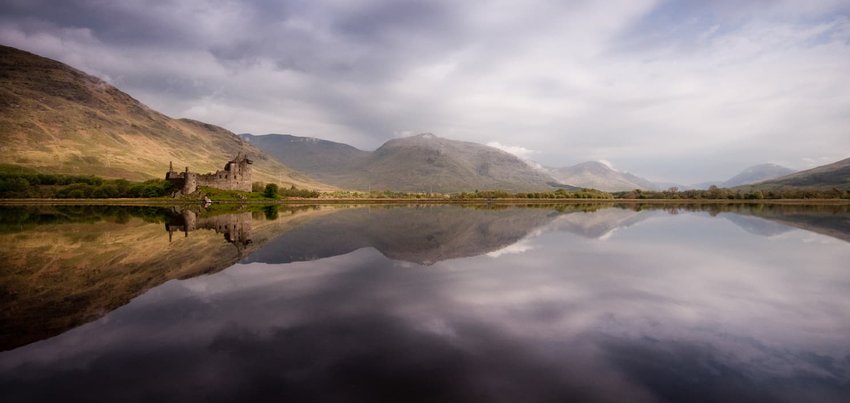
[427,303]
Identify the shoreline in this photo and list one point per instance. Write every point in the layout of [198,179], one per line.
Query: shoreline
[512,201]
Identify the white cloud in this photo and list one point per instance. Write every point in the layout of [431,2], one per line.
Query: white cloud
[607,164]
[519,151]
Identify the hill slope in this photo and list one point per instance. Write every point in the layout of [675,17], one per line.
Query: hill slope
[757,173]
[327,161]
[835,175]
[419,163]
[596,175]
[58,119]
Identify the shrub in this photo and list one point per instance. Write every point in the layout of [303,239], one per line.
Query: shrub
[271,191]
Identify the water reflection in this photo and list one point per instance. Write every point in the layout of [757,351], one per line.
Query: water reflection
[67,265]
[422,235]
[587,303]
[236,228]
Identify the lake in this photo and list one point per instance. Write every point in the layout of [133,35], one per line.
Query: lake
[428,303]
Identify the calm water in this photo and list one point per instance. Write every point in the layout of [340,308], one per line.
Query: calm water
[432,304]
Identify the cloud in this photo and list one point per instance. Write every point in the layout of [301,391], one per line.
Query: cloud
[684,91]
[607,164]
[519,151]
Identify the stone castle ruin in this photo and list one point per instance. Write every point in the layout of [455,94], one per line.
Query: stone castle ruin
[236,175]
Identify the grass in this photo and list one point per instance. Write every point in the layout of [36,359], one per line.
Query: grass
[231,195]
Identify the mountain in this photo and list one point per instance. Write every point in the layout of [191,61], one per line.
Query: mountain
[325,160]
[596,175]
[420,163]
[751,175]
[835,175]
[58,119]
[757,173]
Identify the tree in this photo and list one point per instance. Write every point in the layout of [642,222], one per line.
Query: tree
[271,191]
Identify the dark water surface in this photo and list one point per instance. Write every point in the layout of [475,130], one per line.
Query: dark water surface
[588,303]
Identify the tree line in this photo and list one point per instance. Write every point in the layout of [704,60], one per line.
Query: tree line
[32,185]
[556,194]
[717,193]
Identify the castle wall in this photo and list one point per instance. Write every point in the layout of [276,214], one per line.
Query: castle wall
[225,180]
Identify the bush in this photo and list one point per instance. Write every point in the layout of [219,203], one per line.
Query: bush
[271,191]
[295,192]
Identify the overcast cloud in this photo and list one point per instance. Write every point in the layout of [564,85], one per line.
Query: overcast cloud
[681,91]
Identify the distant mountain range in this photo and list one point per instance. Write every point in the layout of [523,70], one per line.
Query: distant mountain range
[429,163]
[57,119]
[750,175]
[420,163]
[596,175]
[757,173]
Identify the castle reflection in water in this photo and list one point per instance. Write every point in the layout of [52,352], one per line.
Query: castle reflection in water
[235,227]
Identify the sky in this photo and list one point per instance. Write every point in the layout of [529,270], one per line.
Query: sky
[679,91]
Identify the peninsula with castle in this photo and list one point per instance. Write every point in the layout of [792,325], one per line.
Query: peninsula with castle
[236,175]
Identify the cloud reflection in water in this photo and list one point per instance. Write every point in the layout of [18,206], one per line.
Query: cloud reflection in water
[682,307]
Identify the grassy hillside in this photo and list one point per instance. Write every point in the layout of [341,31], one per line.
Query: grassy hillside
[57,119]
